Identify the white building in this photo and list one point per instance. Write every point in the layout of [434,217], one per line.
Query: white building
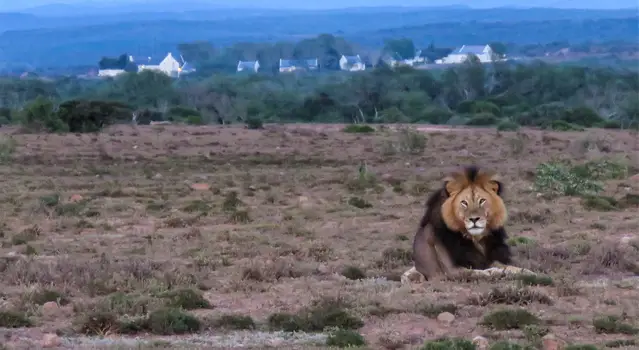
[110,72]
[351,63]
[245,66]
[484,53]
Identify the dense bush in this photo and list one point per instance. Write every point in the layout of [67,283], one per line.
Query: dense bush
[542,95]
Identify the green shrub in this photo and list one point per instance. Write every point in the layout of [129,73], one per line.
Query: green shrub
[358,129]
[507,125]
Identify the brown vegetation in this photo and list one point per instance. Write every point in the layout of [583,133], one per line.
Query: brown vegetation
[169,229]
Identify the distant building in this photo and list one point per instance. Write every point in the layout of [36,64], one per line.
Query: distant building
[246,66]
[110,72]
[351,63]
[396,60]
[484,53]
[295,65]
[168,65]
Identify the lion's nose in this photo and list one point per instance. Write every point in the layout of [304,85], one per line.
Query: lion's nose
[474,220]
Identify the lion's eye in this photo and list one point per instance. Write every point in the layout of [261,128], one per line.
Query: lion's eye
[482,201]
[464,203]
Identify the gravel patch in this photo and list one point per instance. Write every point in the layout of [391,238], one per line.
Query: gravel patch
[235,339]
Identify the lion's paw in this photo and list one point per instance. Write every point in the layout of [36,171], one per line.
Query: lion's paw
[506,270]
[412,276]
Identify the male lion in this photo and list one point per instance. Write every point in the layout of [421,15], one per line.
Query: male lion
[463,229]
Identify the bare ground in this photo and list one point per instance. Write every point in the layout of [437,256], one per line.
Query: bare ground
[129,220]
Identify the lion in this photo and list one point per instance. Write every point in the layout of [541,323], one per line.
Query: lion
[463,229]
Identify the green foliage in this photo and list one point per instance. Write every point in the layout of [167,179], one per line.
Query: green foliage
[482,119]
[555,179]
[509,319]
[611,324]
[187,299]
[507,125]
[254,123]
[169,321]
[14,319]
[235,322]
[324,313]
[529,95]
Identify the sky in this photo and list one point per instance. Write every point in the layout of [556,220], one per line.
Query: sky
[11,5]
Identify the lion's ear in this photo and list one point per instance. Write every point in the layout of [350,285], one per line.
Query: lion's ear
[495,185]
[452,185]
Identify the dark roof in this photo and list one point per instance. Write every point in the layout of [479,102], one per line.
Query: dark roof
[308,63]
[246,64]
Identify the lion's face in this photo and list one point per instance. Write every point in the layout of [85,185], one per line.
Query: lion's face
[474,205]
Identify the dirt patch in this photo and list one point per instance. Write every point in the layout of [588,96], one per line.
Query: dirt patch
[271,221]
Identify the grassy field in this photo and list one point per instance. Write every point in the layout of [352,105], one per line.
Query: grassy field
[200,237]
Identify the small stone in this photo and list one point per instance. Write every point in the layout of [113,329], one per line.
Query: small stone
[75,198]
[446,318]
[50,308]
[157,176]
[200,186]
[50,340]
[480,342]
[550,342]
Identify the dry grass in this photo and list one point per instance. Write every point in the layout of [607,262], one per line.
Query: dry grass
[290,235]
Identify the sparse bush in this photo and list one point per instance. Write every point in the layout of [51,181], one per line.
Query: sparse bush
[14,319]
[235,322]
[580,347]
[98,323]
[611,324]
[42,296]
[169,321]
[432,310]
[345,338]
[558,179]
[510,296]
[358,129]
[448,344]
[323,314]
[187,299]
[353,273]
[534,280]
[254,123]
[360,203]
[507,125]
[509,319]
[506,345]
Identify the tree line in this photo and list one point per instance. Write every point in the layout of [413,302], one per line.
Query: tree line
[501,94]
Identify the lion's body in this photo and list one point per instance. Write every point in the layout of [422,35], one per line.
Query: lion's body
[463,226]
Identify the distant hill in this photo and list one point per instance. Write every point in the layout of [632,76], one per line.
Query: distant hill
[84,40]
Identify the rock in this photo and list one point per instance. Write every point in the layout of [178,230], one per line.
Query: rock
[550,342]
[50,340]
[50,308]
[200,186]
[446,318]
[480,342]
[635,178]
[157,176]
[76,198]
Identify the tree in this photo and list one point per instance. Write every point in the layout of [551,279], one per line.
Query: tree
[404,47]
